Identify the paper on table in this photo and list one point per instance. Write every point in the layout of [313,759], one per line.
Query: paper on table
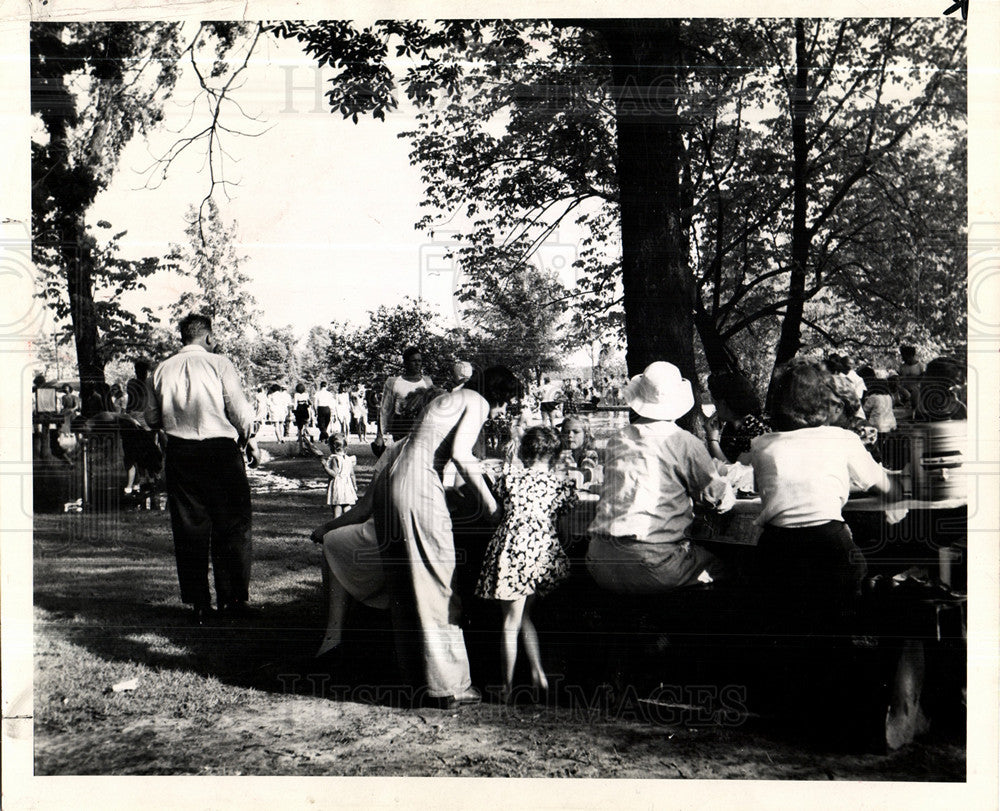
[739,476]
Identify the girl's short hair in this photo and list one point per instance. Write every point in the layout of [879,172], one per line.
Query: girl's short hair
[537,443]
[803,395]
[337,443]
[497,385]
[300,388]
[736,392]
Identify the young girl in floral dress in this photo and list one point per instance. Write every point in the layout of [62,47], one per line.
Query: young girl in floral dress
[524,558]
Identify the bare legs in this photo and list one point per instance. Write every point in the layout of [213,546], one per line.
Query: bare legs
[517,623]
[337,601]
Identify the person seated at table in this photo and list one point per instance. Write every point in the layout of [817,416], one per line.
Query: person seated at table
[653,471]
[877,402]
[850,415]
[941,395]
[737,419]
[578,453]
[805,470]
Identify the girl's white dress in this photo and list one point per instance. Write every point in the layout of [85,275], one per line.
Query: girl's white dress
[341,490]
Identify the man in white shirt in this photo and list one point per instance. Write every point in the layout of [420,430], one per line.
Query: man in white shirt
[323,401]
[396,390]
[199,403]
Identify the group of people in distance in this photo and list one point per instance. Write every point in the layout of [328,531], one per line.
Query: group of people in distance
[348,410]
[393,546]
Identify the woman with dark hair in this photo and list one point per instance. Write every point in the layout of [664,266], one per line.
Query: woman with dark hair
[737,419]
[414,529]
[302,410]
[941,395]
[805,471]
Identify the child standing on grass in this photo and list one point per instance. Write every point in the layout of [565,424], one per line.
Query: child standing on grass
[524,557]
[342,492]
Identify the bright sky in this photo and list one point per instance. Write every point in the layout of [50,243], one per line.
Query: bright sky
[325,208]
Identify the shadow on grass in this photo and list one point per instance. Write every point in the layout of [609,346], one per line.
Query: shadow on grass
[109,584]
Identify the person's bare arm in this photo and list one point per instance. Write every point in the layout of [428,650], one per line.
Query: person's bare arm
[386,408]
[358,514]
[470,424]
[713,434]
[890,487]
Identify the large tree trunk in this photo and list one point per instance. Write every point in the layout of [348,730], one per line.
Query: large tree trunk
[78,260]
[791,325]
[717,352]
[657,283]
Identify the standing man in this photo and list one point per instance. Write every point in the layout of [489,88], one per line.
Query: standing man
[393,421]
[323,402]
[199,403]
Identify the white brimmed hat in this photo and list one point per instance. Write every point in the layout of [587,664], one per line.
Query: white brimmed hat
[660,393]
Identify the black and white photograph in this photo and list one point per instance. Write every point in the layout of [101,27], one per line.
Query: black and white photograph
[401,392]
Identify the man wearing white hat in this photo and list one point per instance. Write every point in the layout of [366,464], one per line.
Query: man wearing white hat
[653,473]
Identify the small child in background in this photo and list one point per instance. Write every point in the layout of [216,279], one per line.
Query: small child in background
[578,458]
[342,492]
[524,557]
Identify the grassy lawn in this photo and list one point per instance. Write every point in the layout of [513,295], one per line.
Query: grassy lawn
[225,700]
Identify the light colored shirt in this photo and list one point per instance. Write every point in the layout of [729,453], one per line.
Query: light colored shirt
[396,390]
[323,399]
[261,405]
[880,413]
[653,473]
[278,403]
[804,477]
[198,395]
[551,391]
[858,382]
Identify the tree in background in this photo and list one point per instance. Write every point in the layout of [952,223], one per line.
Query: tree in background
[272,358]
[211,259]
[642,54]
[512,315]
[845,127]
[533,141]
[314,357]
[95,86]
[372,353]
[120,331]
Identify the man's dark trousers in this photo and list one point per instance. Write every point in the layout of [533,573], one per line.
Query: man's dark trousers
[323,415]
[210,515]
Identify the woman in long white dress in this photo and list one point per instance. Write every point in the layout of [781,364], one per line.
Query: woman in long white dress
[415,534]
